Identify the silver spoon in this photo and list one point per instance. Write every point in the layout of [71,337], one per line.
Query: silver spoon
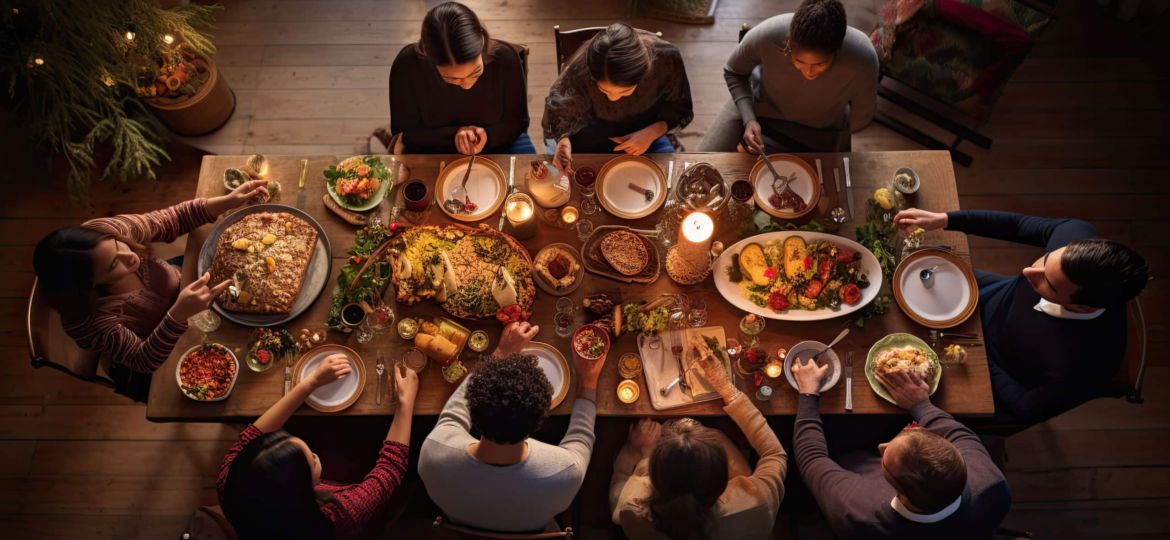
[927,276]
[835,341]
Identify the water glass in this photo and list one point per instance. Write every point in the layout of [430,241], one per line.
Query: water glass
[697,312]
[207,321]
[564,305]
[563,323]
[584,229]
[375,323]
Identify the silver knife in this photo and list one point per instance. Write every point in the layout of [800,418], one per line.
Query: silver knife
[508,191]
[849,382]
[849,188]
[301,184]
[820,175]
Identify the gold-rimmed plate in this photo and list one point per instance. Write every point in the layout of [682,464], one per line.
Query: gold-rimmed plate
[555,367]
[948,301]
[804,182]
[486,187]
[337,395]
[623,183]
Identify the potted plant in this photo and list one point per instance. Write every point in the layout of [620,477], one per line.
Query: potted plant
[186,91]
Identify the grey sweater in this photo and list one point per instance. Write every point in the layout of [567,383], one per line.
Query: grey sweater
[856,501]
[514,498]
[843,97]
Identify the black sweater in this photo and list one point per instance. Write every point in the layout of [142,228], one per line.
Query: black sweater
[428,111]
[1040,365]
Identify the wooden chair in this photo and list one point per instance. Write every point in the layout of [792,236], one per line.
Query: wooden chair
[569,41]
[1127,383]
[49,345]
[471,532]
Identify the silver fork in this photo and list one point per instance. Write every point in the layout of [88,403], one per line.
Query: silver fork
[849,381]
[380,370]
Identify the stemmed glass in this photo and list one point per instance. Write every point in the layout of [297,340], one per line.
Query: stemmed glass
[586,179]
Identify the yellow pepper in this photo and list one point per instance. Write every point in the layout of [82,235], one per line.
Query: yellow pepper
[884,199]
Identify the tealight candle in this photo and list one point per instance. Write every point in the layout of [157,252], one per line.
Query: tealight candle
[519,209]
[774,369]
[569,215]
[628,391]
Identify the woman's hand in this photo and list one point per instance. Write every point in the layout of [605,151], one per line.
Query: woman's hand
[406,382]
[515,337]
[716,375]
[644,436]
[753,137]
[808,375]
[470,140]
[638,142]
[196,297]
[252,189]
[334,367]
[563,156]
[912,218]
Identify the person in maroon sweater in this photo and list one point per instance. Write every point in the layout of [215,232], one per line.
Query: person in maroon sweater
[933,480]
[270,482]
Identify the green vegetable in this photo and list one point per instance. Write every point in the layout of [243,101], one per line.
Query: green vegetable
[716,349]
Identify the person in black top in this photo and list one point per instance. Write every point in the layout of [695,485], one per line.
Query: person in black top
[621,92]
[1055,334]
[458,90]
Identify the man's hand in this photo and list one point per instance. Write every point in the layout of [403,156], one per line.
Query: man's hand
[638,142]
[753,137]
[563,156]
[907,389]
[334,367]
[515,337]
[808,375]
[912,218]
[406,383]
[470,140]
[644,435]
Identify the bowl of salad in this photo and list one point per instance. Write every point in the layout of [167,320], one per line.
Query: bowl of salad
[591,342]
[358,183]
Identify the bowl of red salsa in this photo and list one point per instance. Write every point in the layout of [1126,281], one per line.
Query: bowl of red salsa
[207,372]
[591,342]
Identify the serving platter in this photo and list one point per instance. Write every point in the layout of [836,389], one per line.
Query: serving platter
[804,182]
[622,183]
[949,301]
[486,187]
[899,340]
[735,292]
[337,395]
[594,262]
[550,288]
[316,275]
[555,367]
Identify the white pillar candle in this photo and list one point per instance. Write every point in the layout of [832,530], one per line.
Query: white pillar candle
[519,209]
[698,231]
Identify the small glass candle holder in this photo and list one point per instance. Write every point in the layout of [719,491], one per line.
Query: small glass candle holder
[520,212]
[569,216]
[774,369]
[764,393]
[750,327]
[628,391]
[584,229]
[563,323]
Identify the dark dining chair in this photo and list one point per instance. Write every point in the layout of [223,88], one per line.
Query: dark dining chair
[50,346]
[1127,383]
[464,531]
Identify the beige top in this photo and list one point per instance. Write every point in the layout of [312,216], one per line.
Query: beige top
[747,508]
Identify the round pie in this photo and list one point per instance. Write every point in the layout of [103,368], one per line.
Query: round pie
[625,252]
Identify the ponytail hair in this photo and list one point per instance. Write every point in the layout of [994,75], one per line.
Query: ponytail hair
[452,34]
[688,474]
[618,55]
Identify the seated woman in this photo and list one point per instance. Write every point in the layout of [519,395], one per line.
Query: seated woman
[799,81]
[621,92]
[687,481]
[458,90]
[270,482]
[118,300]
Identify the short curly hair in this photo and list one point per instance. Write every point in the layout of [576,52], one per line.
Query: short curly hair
[508,398]
[818,25]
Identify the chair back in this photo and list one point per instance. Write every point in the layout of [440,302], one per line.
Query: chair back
[743,30]
[49,345]
[569,41]
[463,531]
[1128,380]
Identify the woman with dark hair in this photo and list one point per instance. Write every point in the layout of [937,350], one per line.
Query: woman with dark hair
[684,481]
[270,482]
[801,81]
[622,91]
[458,90]
[115,297]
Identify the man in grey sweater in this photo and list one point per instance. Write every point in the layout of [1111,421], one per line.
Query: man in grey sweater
[505,481]
[799,81]
[933,480]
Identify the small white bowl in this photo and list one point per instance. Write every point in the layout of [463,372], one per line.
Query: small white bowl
[805,350]
[912,189]
[232,386]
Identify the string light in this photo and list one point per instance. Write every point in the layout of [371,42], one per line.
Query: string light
[131,32]
[168,39]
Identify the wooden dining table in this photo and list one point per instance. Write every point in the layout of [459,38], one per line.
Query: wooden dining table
[965,389]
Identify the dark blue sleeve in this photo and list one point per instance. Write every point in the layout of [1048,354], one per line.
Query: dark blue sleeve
[1049,233]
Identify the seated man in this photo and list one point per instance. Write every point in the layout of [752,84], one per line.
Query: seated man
[933,480]
[505,481]
[1055,334]
[799,81]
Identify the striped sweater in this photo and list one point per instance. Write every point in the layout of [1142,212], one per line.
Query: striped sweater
[134,328]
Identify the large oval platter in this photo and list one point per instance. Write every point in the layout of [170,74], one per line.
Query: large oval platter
[737,295]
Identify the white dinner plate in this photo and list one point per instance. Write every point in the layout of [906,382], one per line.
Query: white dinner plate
[338,394]
[615,193]
[949,301]
[555,367]
[486,187]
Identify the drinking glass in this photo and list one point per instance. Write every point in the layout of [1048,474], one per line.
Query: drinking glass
[584,229]
[375,323]
[207,321]
[749,330]
[564,305]
[563,322]
[586,180]
[697,312]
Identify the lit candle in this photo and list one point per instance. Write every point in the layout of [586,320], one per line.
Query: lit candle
[519,209]
[689,261]
[628,391]
[774,369]
[569,215]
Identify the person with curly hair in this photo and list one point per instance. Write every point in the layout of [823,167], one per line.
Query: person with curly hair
[801,81]
[505,481]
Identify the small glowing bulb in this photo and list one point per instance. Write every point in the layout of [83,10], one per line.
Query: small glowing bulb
[168,39]
[130,35]
[39,61]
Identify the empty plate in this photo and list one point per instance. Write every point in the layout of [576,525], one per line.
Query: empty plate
[338,394]
[631,187]
[948,301]
[486,187]
[804,183]
[555,367]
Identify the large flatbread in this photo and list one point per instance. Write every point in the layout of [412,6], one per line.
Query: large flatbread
[267,255]
[625,252]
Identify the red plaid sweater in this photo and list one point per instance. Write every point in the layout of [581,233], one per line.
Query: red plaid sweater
[352,508]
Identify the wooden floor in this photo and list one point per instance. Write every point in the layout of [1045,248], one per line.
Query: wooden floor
[1081,131]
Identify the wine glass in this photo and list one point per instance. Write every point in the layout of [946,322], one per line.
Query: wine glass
[586,180]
